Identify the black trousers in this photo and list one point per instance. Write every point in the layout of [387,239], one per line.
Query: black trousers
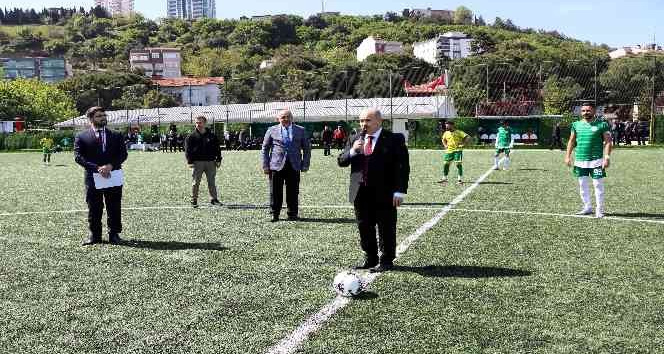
[556,143]
[95,199]
[292,180]
[370,212]
[326,149]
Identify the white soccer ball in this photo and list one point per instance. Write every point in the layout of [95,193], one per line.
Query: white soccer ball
[347,284]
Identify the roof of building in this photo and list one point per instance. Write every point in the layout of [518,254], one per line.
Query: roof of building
[379,40]
[311,111]
[188,81]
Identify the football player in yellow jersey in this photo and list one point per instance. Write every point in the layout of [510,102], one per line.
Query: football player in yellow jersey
[47,147]
[453,141]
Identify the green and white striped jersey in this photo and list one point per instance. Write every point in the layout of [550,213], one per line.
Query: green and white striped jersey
[503,138]
[589,152]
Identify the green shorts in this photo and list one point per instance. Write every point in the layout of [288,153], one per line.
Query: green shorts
[595,173]
[506,151]
[456,156]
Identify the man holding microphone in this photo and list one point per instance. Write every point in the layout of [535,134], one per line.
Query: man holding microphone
[379,176]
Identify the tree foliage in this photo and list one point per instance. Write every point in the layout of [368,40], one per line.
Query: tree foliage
[34,100]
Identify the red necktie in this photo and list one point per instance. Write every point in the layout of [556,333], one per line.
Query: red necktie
[365,168]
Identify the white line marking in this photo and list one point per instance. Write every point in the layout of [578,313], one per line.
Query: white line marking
[558,215]
[403,208]
[294,340]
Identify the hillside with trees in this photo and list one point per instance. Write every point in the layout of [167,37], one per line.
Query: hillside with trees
[314,58]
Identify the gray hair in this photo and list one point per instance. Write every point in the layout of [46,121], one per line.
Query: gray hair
[372,112]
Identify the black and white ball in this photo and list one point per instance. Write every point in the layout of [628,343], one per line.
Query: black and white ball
[347,284]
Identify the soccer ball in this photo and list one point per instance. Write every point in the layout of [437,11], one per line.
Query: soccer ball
[347,284]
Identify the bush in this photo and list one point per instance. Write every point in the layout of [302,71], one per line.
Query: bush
[659,130]
[30,140]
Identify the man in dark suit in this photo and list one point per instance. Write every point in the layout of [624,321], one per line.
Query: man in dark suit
[101,151]
[286,152]
[379,171]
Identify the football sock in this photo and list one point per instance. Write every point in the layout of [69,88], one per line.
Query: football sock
[460,170]
[506,163]
[496,161]
[446,169]
[584,191]
[599,195]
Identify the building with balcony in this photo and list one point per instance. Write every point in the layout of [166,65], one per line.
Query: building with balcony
[157,62]
[191,9]
[453,45]
[117,7]
[371,45]
[44,69]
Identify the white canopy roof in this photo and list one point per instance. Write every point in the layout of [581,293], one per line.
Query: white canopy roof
[303,111]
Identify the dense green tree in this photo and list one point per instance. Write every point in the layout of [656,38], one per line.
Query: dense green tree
[34,100]
[251,32]
[560,94]
[99,88]
[463,16]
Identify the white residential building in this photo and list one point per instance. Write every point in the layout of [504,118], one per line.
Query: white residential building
[429,13]
[117,7]
[157,62]
[371,45]
[266,64]
[191,9]
[454,45]
[635,50]
[191,91]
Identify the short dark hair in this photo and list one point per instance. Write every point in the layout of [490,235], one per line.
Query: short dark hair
[451,122]
[90,113]
[588,104]
[203,118]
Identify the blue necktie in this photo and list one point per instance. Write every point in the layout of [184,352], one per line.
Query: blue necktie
[286,138]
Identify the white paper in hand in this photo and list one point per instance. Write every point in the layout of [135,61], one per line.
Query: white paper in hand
[116,180]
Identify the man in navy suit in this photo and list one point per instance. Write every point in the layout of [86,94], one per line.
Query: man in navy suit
[286,152]
[379,172]
[101,150]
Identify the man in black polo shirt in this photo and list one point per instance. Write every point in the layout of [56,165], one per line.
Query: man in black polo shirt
[203,153]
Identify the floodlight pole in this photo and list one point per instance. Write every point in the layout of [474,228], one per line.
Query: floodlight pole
[651,133]
[595,84]
[391,106]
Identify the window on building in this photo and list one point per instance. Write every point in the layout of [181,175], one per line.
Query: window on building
[155,55]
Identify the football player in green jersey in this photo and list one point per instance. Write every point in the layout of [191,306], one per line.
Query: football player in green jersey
[504,142]
[590,140]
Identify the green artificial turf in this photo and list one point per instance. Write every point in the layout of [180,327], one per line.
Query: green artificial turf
[225,280]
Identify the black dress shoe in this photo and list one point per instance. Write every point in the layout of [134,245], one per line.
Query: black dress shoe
[114,239]
[215,202]
[91,241]
[366,265]
[381,268]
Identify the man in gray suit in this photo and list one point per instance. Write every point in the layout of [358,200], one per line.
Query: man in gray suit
[285,153]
